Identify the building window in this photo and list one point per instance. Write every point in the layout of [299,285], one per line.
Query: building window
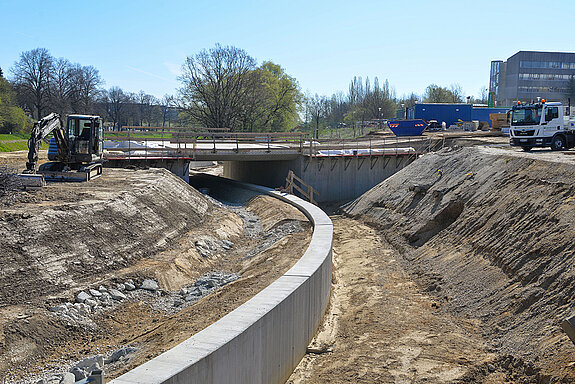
[543,76]
[542,89]
[546,64]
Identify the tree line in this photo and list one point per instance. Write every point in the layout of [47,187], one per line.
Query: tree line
[41,83]
[366,102]
[221,87]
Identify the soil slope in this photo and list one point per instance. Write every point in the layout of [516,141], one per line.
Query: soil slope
[128,224]
[489,233]
[60,236]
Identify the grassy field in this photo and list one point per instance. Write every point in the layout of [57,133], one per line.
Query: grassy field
[16,142]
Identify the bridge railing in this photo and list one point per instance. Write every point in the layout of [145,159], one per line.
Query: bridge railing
[370,146]
[183,142]
[158,142]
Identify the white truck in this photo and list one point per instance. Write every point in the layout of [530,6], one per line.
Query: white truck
[542,125]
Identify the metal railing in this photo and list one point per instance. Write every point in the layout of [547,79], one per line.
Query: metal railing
[168,143]
[160,143]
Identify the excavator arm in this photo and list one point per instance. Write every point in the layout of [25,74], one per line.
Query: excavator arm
[40,131]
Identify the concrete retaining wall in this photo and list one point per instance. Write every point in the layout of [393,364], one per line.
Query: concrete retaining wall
[263,340]
[179,167]
[334,178]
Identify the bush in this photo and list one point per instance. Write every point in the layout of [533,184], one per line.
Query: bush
[13,120]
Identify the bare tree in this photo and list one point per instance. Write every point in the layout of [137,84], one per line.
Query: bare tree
[61,88]
[456,93]
[116,101]
[318,109]
[214,85]
[167,103]
[146,106]
[86,82]
[31,76]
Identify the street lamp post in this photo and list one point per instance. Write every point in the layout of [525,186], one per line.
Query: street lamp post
[379,117]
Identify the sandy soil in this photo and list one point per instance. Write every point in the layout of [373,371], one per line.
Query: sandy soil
[486,233]
[381,327]
[17,159]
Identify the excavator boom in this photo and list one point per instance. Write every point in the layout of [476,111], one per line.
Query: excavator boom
[40,131]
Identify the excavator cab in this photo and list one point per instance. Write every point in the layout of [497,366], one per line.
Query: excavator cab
[84,134]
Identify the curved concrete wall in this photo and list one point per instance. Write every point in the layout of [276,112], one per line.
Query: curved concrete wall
[263,340]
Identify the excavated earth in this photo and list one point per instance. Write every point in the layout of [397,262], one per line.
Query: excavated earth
[464,274]
[129,225]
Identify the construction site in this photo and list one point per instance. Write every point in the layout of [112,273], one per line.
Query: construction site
[456,267]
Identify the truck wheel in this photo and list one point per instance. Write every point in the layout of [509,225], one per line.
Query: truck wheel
[526,149]
[558,143]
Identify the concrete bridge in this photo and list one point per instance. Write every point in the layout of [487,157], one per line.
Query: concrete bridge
[338,169]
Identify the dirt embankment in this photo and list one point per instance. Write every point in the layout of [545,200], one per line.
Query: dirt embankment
[128,225]
[58,238]
[489,233]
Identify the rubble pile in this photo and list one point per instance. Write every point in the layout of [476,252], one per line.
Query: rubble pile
[94,365]
[203,286]
[89,301]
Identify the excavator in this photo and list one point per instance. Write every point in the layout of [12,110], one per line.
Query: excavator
[75,153]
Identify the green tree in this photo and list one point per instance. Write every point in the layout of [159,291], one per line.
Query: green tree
[436,94]
[271,100]
[12,118]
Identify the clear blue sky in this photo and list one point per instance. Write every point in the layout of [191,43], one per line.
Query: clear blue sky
[141,45]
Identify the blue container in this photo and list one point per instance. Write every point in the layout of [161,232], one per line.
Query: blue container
[448,113]
[414,127]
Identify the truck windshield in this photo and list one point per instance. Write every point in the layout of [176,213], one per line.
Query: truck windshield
[526,116]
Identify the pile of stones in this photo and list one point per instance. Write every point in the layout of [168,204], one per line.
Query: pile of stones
[82,370]
[203,286]
[91,300]
[207,245]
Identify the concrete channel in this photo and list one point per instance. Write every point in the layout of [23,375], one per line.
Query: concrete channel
[263,340]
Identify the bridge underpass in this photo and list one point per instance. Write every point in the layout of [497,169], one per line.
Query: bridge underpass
[337,169]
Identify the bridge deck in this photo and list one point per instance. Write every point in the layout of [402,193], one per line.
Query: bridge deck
[227,146]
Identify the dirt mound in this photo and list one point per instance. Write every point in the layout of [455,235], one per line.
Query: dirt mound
[67,233]
[489,233]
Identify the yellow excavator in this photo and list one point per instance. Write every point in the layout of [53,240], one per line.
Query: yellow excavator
[75,153]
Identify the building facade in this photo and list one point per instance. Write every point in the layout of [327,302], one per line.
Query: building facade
[528,75]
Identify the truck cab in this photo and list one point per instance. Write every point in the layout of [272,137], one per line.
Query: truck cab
[541,125]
